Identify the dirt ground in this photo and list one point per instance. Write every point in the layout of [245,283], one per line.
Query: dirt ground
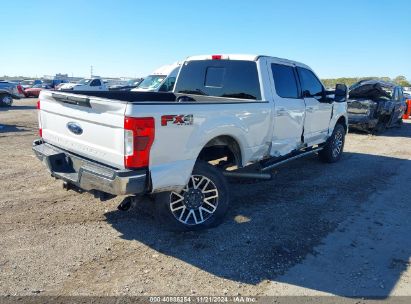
[340,229]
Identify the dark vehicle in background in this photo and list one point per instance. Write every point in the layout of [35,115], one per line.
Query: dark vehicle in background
[407,98]
[374,105]
[8,92]
[53,83]
[36,89]
[20,88]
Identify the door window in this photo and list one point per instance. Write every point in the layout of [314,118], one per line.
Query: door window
[310,82]
[95,83]
[168,85]
[285,81]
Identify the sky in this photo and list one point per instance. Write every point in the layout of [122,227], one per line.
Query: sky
[132,38]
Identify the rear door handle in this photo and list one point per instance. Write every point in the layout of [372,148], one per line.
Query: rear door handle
[310,109]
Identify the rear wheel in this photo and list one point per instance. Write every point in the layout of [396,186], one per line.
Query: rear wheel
[334,147]
[202,203]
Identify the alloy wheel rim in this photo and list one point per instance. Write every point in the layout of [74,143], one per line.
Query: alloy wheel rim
[337,144]
[196,203]
[7,100]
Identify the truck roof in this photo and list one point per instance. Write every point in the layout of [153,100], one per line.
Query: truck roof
[244,57]
[166,69]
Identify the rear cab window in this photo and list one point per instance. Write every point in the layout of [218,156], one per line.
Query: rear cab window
[285,81]
[219,78]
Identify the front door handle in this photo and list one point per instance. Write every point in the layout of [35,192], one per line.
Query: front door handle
[310,109]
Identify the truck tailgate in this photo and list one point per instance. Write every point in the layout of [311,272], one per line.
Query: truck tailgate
[88,126]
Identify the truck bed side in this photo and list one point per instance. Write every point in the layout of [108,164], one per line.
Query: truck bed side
[182,129]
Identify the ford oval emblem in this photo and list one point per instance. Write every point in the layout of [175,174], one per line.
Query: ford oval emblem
[74,128]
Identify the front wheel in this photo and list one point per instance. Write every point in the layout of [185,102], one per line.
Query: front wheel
[202,203]
[334,147]
[6,100]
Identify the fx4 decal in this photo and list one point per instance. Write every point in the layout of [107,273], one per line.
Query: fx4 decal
[177,119]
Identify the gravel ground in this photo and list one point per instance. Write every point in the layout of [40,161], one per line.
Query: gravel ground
[340,229]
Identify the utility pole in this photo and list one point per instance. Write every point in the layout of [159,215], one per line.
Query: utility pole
[91,71]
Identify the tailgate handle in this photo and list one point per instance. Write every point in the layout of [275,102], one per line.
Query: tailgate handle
[79,101]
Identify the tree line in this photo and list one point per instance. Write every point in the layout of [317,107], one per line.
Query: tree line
[331,82]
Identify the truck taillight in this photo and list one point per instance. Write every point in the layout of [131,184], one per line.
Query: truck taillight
[216,57]
[138,139]
[39,117]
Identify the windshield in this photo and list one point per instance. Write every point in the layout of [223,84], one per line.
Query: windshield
[133,82]
[152,82]
[84,81]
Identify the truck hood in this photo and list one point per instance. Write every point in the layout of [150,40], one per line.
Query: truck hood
[69,86]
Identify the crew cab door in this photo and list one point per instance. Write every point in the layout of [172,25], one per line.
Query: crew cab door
[289,108]
[317,110]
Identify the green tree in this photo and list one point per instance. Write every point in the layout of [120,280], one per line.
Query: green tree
[402,81]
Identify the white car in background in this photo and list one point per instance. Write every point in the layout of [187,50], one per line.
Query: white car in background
[161,80]
[86,84]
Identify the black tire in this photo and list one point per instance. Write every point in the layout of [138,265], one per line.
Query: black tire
[400,123]
[334,147]
[382,124]
[6,100]
[195,202]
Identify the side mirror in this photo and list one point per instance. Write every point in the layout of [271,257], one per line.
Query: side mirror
[341,93]
[306,94]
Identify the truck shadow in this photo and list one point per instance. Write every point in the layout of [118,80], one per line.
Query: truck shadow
[11,128]
[15,107]
[308,227]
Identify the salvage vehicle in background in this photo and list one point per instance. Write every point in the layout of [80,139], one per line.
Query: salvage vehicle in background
[87,84]
[20,89]
[129,85]
[374,105]
[36,89]
[161,80]
[228,116]
[8,92]
[28,83]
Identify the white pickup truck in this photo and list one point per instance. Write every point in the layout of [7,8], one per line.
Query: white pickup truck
[161,80]
[229,115]
[86,84]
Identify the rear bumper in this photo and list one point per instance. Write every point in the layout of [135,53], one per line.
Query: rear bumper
[89,175]
[363,120]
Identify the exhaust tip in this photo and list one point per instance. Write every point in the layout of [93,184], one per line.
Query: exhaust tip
[125,205]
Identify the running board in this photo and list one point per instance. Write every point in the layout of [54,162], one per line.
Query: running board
[263,176]
[279,163]
[261,171]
